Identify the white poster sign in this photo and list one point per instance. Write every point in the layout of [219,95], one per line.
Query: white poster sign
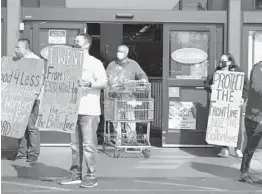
[182,115]
[224,112]
[57,37]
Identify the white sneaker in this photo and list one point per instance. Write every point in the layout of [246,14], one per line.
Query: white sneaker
[224,153]
[238,154]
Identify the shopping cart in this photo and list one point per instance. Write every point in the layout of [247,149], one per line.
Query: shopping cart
[125,106]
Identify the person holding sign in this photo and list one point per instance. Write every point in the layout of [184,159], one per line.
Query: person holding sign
[29,145]
[253,120]
[227,63]
[93,80]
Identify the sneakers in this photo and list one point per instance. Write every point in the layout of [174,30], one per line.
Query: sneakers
[224,153]
[89,183]
[244,177]
[20,157]
[32,158]
[238,154]
[70,181]
[85,183]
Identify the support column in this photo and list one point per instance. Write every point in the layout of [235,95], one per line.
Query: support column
[13,22]
[235,29]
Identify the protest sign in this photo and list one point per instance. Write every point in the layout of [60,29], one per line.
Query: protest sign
[225,106]
[61,97]
[21,83]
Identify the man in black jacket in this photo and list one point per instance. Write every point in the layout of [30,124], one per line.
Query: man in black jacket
[253,119]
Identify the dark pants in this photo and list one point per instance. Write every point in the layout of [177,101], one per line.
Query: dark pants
[254,133]
[84,145]
[30,143]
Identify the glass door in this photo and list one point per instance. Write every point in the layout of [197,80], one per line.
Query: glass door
[189,56]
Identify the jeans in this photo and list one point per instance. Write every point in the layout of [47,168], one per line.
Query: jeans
[254,133]
[30,143]
[130,127]
[242,128]
[84,145]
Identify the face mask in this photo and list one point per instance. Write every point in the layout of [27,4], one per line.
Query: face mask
[224,64]
[76,46]
[16,58]
[120,56]
[19,55]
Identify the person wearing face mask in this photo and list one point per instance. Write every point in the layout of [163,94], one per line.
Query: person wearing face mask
[84,140]
[119,71]
[227,63]
[29,145]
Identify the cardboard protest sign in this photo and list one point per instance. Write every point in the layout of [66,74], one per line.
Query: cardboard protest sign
[61,97]
[225,108]
[21,83]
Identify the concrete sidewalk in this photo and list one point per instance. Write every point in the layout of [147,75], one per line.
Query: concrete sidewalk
[195,168]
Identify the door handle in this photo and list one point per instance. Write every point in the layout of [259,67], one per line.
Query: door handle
[107,49]
[200,88]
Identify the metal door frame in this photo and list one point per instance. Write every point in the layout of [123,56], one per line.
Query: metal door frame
[245,42]
[167,81]
[32,29]
[4,19]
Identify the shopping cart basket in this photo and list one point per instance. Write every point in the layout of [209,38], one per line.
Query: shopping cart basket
[126,105]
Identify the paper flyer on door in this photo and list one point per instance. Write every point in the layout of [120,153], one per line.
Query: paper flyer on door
[225,108]
[182,115]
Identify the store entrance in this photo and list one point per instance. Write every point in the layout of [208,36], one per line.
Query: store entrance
[145,42]
[177,58]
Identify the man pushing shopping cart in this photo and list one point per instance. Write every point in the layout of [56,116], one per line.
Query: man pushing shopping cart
[127,85]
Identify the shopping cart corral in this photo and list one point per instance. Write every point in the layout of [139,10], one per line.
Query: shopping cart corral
[128,110]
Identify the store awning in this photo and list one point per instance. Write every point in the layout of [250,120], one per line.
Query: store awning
[123,4]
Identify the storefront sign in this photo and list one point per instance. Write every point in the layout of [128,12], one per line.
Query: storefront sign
[57,37]
[182,115]
[60,102]
[224,112]
[189,55]
[21,82]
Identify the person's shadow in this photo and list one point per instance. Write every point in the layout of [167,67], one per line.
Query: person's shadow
[216,170]
[39,171]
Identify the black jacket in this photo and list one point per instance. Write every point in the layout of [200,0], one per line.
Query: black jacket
[254,103]
[209,81]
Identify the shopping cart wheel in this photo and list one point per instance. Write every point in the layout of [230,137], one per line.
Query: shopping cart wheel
[146,153]
[116,153]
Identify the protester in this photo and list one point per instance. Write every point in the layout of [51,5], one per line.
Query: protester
[29,145]
[227,63]
[121,70]
[84,140]
[253,120]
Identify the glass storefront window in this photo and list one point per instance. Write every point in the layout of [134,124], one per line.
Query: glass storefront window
[200,5]
[189,54]
[258,5]
[254,48]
